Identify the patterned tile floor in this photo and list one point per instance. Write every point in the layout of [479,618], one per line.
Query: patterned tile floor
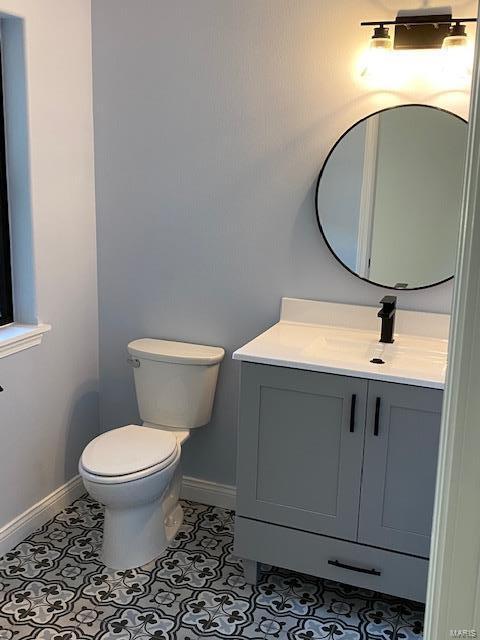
[54,587]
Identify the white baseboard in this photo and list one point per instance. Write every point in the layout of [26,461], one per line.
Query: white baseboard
[205,492]
[36,516]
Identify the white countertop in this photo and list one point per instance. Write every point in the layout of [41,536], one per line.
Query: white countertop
[342,339]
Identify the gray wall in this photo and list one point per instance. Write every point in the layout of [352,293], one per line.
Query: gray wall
[212,120]
[49,409]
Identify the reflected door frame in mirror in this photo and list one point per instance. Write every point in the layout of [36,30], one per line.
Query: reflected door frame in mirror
[368,184]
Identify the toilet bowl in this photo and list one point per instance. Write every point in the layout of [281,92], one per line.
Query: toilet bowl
[134,471]
[139,492]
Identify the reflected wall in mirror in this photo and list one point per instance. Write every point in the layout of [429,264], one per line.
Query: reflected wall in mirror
[389,196]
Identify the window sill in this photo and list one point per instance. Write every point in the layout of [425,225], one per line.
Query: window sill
[17,337]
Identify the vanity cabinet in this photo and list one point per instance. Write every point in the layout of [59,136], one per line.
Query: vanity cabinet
[336,476]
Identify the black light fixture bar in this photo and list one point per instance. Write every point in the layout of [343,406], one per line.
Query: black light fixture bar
[415,20]
[417,31]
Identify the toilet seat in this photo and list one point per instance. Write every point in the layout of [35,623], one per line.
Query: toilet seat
[130,477]
[128,453]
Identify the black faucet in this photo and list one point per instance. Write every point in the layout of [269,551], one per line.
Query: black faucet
[387,314]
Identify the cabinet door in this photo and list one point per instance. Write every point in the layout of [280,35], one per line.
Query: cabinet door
[301,448]
[399,473]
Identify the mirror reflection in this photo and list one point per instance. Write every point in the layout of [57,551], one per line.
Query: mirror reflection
[389,196]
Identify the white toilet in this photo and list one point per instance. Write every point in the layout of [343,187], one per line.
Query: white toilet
[134,471]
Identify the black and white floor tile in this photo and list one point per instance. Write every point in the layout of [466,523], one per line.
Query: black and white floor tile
[53,586]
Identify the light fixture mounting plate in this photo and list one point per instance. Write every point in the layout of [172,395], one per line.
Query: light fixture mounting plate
[421,31]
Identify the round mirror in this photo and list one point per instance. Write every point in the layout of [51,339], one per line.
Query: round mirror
[389,196]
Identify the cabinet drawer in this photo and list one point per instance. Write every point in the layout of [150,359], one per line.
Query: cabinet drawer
[310,553]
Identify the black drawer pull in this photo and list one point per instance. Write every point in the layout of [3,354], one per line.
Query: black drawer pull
[377,416]
[352,412]
[340,565]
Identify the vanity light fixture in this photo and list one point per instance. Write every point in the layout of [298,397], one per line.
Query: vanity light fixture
[456,59]
[378,56]
[419,31]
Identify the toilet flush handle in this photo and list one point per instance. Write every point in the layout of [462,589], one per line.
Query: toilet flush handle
[134,362]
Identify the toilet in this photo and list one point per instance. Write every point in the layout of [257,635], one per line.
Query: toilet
[134,471]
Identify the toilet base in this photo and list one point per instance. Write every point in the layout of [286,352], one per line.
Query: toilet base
[136,536]
[132,537]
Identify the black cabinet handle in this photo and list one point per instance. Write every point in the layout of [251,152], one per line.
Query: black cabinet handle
[340,565]
[352,412]
[377,417]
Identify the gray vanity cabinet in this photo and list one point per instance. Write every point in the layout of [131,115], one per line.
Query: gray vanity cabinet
[336,477]
[399,468]
[301,448]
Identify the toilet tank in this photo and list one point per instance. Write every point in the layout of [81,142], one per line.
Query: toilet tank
[175,382]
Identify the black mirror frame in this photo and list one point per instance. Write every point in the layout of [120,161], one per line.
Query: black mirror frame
[376,284]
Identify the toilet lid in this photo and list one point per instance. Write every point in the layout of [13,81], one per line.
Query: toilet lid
[128,450]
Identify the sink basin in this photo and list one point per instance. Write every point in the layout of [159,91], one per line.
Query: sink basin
[354,346]
[359,348]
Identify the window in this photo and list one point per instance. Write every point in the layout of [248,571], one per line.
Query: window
[6,300]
